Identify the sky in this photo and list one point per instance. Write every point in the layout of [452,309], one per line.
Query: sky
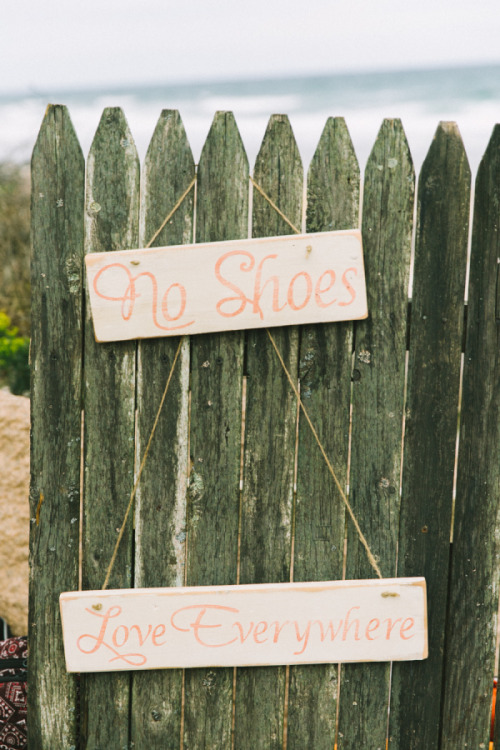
[51,45]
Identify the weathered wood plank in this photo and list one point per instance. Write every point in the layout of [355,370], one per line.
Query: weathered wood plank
[112,223]
[431,423]
[146,293]
[378,409]
[215,431]
[270,430]
[257,624]
[472,619]
[160,517]
[325,375]
[57,208]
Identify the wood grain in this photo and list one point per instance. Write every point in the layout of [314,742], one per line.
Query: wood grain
[325,378]
[160,513]
[57,205]
[378,409]
[238,285]
[431,422]
[257,624]
[112,223]
[473,604]
[270,430]
[215,431]
[439,703]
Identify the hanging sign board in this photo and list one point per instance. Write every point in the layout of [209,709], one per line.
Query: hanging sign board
[223,286]
[252,625]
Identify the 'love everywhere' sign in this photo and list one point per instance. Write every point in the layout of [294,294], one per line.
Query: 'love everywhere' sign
[222,286]
[251,625]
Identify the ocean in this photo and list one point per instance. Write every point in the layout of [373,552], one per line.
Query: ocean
[420,98]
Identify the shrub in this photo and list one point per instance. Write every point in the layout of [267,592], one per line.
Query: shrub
[15,245]
[14,357]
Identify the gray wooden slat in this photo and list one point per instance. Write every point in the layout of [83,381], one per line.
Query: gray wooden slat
[325,376]
[378,410]
[472,621]
[431,424]
[160,516]
[57,206]
[270,429]
[112,223]
[215,431]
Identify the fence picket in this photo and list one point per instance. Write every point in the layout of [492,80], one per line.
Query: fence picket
[160,517]
[325,378]
[377,409]
[270,427]
[187,529]
[473,605]
[57,203]
[215,431]
[431,423]
[112,223]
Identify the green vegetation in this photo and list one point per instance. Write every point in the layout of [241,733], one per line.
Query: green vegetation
[14,277]
[14,357]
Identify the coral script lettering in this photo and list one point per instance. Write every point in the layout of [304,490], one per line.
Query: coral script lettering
[212,626]
[227,285]
[168,309]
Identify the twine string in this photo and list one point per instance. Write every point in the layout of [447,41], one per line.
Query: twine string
[162,401]
[143,463]
[273,204]
[172,212]
[361,536]
[352,515]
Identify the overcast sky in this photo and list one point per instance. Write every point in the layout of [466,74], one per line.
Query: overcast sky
[52,44]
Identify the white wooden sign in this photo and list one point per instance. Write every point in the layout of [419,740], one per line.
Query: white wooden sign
[209,626]
[222,286]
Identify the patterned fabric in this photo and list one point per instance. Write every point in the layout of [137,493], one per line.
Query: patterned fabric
[13,734]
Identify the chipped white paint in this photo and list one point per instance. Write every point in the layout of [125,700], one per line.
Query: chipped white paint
[225,286]
[209,626]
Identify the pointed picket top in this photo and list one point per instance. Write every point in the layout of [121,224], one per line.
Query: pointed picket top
[388,201]
[325,365]
[57,208]
[112,185]
[56,125]
[389,192]
[473,593]
[446,152]
[333,181]
[168,172]
[278,172]
[436,334]
[215,433]
[486,256]
[159,558]
[58,179]
[56,145]
[268,474]
[443,193]
[379,389]
[390,150]
[112,223]
[492,149]
[223,170]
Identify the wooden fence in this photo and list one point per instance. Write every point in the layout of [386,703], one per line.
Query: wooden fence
[235,489]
